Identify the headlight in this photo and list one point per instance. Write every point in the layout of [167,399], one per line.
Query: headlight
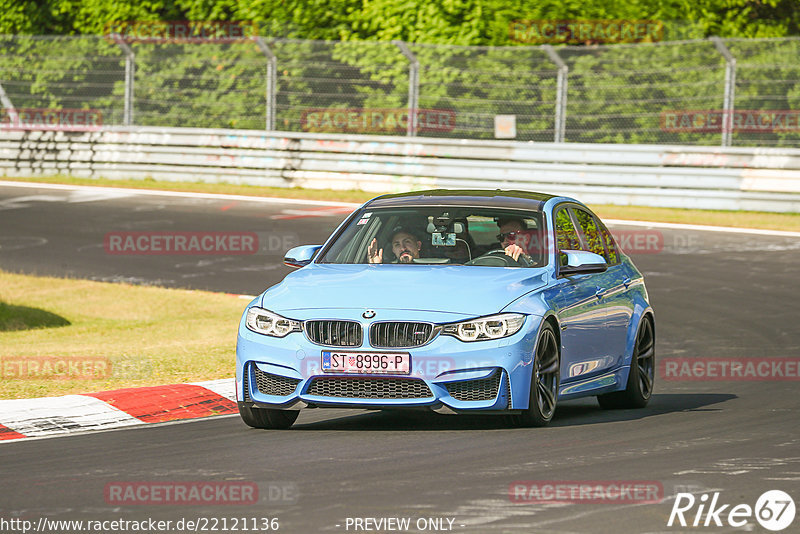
[483,328]
[270,324]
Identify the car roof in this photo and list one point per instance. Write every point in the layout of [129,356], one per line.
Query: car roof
[496,198]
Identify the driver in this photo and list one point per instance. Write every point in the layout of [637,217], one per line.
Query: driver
[405,246]
[509,228]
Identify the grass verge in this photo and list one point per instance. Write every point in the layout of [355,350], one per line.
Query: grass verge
[736,219]
[61,336]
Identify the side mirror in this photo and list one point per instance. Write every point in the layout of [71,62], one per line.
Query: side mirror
[300,256]
[580,262]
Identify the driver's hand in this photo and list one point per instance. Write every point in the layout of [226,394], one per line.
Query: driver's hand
[374,254]
[514,251]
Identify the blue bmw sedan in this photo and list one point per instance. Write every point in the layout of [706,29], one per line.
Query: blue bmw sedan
[468,301]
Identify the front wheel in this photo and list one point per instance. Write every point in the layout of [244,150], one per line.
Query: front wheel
[641,376]
[267,418]
[544,382]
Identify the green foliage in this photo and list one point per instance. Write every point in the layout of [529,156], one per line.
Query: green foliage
[27,16]
[68,73]
[213,85]
[338,55]
[615,93]
[464,22]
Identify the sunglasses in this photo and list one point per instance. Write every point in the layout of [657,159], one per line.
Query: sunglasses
[511,236]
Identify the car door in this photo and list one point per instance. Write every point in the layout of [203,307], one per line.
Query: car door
[612,286]
[581,315]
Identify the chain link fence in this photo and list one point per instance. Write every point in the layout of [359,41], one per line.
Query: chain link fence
[729,92]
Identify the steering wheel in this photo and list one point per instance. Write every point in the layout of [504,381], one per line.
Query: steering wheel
[499,258]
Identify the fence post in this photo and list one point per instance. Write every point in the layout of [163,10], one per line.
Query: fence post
[730,88]
[130,66]
[413,86]
[272,82]
[561,93]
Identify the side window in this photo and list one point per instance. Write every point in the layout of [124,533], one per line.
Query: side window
[591,233]
[566,236]
[611,246]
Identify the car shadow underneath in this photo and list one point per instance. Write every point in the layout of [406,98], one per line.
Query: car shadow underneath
[569,413]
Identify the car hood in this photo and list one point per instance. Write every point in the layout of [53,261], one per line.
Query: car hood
[464,290]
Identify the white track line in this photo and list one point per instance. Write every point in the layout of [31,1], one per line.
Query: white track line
[183,194]
[702,228]
[276,200]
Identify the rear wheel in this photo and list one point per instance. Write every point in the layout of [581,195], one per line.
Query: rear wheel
[266,418]
[544,382]
[642,374]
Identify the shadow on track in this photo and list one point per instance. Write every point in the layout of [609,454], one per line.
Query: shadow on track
[588,412]
[574,413]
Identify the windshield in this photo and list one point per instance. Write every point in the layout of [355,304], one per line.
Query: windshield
[488,237]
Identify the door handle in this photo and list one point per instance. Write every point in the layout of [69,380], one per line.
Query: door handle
[627,282]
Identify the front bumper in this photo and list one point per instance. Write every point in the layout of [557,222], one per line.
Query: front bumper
[447,375]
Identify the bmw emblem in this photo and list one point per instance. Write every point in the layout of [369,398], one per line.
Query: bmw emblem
[369,314]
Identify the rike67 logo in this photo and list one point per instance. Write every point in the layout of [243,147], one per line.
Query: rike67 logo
[774,510]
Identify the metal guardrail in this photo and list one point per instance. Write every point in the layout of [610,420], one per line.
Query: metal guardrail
[766,179]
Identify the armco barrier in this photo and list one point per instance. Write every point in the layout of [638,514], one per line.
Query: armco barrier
[648,175]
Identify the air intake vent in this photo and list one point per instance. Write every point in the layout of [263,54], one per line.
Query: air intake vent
[400,334]
[508,392]
[370,388]
[246,383]
[269,384]
[334,333]
[475,390]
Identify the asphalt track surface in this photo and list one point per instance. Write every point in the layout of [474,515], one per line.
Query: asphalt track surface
[716,295]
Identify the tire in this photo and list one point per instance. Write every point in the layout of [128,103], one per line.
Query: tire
[545,378]
[641,377]
[266,418]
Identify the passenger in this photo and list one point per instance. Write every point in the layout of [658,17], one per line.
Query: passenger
[405,246]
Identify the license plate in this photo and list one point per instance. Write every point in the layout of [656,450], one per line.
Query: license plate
[366,362]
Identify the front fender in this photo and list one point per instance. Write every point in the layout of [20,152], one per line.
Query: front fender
[539,308]
[641,309]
